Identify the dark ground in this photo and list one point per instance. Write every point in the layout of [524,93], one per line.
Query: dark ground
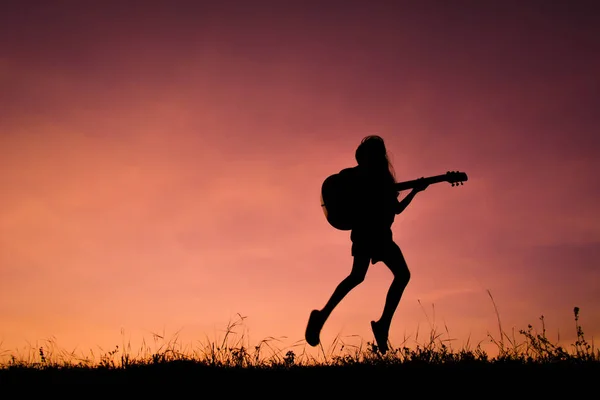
[400,381]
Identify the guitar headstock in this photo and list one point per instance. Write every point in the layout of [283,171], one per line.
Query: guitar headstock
[456,177]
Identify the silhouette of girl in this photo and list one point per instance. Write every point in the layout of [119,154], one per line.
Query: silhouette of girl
[376,205]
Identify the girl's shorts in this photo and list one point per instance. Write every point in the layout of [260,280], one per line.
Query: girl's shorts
[375,250]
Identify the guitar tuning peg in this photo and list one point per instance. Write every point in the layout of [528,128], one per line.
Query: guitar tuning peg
[462,183]
[452,184]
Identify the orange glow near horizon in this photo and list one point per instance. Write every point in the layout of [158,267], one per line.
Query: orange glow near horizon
[164,175]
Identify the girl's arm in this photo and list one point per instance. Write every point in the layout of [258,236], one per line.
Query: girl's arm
[401,205]
[409,197]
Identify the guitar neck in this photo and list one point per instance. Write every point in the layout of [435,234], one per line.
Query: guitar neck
[430,180]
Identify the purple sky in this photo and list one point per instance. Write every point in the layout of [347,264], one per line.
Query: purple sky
[161,165]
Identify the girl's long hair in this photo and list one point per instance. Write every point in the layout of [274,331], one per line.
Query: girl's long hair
[372,151]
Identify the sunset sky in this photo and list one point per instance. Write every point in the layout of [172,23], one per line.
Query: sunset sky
[161,166]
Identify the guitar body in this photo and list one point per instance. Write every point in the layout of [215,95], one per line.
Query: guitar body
[337,194]
[336,199]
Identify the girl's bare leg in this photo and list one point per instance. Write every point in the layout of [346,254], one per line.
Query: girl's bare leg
[356,277]
[395,261]
[318,317]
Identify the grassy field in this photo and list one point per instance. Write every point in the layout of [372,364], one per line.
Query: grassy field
[530,363]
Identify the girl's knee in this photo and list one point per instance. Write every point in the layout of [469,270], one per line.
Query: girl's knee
[356,278]
[406,276]
[402,274]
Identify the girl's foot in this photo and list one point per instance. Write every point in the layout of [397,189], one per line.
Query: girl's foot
[381,337]
[313,329]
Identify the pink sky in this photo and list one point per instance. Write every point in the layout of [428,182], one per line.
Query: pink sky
[161,166]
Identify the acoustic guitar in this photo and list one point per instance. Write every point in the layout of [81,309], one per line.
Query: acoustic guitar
[336,194]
